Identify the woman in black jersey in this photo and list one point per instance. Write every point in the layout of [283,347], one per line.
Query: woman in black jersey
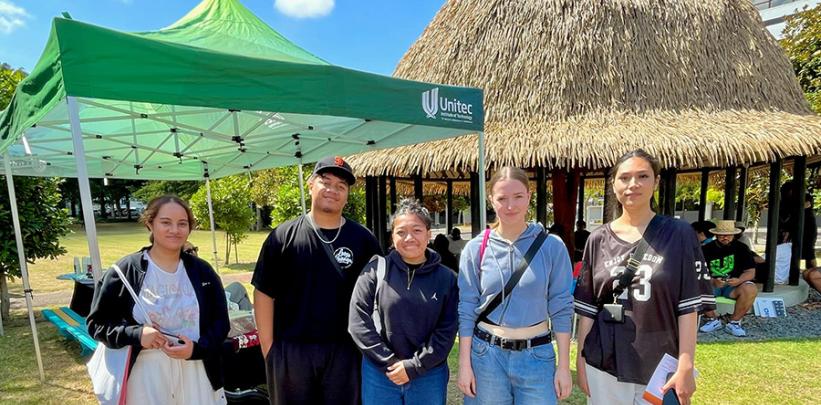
[659,308]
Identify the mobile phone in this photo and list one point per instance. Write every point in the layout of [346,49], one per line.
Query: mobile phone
[670,397]
[178,339]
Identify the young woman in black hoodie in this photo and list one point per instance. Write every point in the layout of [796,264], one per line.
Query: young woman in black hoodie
[176,355]
[406,330]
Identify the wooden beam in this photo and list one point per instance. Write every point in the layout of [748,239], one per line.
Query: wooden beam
[742,194]
[774,201]
[541,196]
[449,210]
[800,181]
[729,193]
[702,198]
[475,222]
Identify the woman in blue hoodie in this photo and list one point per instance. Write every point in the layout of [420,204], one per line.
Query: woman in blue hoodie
[403,316]
[506,355]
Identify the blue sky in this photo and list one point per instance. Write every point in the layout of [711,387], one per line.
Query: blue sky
[369,35]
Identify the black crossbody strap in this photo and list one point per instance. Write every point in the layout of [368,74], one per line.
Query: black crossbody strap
[634,262]
[516,276]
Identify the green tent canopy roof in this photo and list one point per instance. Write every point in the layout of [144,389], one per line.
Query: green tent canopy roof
[217,92]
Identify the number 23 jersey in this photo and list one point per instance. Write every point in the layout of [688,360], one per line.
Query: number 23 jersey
[672,280]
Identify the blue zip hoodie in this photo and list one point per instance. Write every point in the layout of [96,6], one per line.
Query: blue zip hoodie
[542,292]
[418,313]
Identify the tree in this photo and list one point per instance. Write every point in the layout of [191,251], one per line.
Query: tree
[157,188]
[42,220]
[802,43]
[279,190]
[232,210]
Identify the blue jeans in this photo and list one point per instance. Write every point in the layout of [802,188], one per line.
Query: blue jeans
[512,377]
[428,389]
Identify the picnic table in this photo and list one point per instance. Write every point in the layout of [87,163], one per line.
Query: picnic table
[83,292]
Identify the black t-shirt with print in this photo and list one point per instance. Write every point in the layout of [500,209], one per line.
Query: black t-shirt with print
[311,294]
[728,261]
[672,280]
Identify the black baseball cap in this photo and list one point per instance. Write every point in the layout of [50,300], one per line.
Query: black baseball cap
[337,166]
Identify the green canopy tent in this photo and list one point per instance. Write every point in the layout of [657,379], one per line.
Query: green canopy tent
[216,93]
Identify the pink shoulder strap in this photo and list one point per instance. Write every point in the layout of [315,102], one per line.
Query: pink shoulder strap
[483,246]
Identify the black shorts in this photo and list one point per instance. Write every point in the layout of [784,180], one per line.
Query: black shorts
[314,373]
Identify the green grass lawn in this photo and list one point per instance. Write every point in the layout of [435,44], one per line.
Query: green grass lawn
[775,372]
[119,239]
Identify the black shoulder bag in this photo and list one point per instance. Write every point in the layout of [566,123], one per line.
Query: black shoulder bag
[515,277]
[614,312]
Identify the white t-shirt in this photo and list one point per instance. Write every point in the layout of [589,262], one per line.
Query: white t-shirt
[170,301]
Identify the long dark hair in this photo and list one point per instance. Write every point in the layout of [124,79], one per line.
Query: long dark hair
[614,204]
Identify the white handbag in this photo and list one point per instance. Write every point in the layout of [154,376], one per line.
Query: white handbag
[109,367]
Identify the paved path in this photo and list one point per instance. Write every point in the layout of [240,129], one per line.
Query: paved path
[60,298]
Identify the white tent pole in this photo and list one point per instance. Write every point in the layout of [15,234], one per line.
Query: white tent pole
[301,187]
[85,188]
[21,256]
[482,191]
[213,227]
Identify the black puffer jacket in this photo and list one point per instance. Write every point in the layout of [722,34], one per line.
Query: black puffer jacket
[111,322]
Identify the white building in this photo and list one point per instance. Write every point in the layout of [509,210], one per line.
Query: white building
[774,12]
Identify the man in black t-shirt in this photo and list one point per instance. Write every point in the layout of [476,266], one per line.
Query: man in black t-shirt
[732,269]
[308,267]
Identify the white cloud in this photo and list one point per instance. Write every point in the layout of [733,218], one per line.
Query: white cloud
[304,8]
[12,16]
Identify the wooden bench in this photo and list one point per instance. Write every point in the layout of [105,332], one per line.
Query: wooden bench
[72,326]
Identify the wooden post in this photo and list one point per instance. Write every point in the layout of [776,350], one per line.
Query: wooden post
[475,217]
[670,192]
[702,198]
[609,198]
[449,210]
[370,197]
[729,193]
[580,210]
[800,180]
[381,217]
[772,222]
[418,192]
[394,201]
[541,196]
[742,194]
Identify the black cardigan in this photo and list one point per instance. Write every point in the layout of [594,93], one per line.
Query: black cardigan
[111,322]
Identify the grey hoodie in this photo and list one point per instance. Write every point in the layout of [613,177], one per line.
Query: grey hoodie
[542,292]
[419,318]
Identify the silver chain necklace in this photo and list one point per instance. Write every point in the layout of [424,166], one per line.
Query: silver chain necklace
[313,226]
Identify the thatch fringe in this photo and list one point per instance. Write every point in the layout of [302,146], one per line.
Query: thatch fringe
[577,84]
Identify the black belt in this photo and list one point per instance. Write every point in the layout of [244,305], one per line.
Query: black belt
[510,344]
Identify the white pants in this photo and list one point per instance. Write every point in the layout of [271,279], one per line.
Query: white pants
[606,389]
[159,379]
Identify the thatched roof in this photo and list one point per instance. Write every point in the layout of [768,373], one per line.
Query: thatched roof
[577,84]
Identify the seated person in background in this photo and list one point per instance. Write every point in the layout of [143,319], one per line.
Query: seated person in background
[732,270]
[440,245]
[456,242]
[580,239]
[783,254]
[703,233]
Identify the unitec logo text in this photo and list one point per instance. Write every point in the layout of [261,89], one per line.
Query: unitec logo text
[451,109]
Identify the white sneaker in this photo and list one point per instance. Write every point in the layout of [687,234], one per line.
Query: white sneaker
[735,329]
[711,326]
